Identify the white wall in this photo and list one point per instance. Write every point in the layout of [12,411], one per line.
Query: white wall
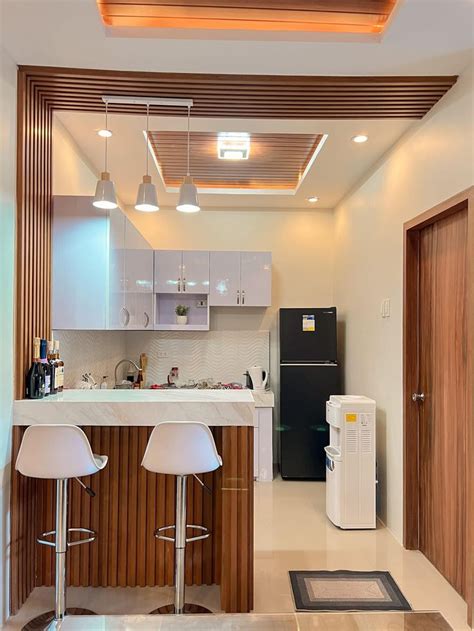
[72,173]
[7,250]
[429,165]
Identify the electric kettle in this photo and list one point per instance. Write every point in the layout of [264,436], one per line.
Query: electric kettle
[259,377]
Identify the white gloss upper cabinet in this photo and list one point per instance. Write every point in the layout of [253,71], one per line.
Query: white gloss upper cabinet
[168,271]
[79,264]
[255,279]
[130,276]
[224,279]
[195,272]
[178,272]
[241,279]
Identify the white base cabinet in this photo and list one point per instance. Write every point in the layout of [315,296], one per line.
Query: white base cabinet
[263,445]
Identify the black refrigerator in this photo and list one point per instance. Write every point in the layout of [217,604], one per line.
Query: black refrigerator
[309,374]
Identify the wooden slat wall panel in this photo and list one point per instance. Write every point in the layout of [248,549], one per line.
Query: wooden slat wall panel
[126,552]
[275,160]
[346,16]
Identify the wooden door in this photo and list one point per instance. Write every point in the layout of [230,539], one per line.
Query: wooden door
[443,379]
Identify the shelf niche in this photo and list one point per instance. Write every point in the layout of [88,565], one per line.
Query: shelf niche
[165,315]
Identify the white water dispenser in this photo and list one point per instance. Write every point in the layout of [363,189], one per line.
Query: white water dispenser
[350,462]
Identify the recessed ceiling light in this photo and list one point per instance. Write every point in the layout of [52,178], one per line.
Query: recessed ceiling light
[105,133]
[360,138]
[313,199]
[233,146]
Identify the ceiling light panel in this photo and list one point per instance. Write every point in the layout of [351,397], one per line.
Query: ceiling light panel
[233,146]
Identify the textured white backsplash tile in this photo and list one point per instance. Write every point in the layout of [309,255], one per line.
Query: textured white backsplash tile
[222,355]
[96,352]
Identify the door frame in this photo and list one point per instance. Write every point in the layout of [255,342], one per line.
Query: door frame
[411,258]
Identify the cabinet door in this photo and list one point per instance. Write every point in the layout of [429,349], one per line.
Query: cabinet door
[79,264]
[195,269]
[224,279]
[256,279]
[138,261]
[118,316]
[139,307]
[168,271]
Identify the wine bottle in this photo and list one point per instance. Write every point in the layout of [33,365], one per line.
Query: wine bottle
[46,368]
[52,364]
[59,368]
[35,377]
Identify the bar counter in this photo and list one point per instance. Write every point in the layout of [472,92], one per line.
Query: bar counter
[131,502]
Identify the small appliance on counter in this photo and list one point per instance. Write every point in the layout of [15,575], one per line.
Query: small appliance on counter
[258,378]
[309,374]
[350,462]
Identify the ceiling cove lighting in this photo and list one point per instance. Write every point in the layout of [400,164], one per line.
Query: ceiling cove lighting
[360,138]
[105,191]
[313,199]
[147,201]
[188,195]
[233,146]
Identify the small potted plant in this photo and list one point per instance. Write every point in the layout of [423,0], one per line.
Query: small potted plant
[181,314]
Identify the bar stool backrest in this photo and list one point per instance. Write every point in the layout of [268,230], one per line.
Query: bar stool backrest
[181,448]
[56,452]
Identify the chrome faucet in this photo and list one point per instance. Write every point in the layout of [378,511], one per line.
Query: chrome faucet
[128,385]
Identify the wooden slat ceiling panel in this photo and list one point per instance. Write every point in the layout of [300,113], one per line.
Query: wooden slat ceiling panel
[244,96]
[275,160]
[343,16]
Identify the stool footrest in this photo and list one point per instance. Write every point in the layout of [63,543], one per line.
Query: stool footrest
[164,537]
[197,537]
[52,544]
[205,530]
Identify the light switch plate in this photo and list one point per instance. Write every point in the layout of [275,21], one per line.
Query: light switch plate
[385,308]
[201,304]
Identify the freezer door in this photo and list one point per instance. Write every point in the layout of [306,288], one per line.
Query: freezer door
[304,391]
[308,335]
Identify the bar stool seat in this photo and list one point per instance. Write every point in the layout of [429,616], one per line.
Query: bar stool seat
[181,449]
[58,452]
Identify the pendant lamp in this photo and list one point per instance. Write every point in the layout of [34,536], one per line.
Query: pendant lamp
[188,195]
[146,197]
[105,191]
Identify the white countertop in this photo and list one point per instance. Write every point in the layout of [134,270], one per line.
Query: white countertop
[142,407]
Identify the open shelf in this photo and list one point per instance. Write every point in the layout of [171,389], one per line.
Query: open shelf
[165,316]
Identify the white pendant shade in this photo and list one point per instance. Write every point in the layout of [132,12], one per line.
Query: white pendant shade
[188,197]
[147,201]
[105,193]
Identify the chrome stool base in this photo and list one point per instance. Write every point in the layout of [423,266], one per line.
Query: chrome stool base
[45,622]
[189,608]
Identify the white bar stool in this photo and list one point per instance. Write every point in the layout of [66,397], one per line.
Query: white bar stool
[58,452]
[181,449]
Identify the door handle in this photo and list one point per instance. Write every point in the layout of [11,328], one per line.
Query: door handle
[418,397]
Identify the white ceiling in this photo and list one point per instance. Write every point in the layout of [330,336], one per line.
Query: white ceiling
[424,37]
[337,168]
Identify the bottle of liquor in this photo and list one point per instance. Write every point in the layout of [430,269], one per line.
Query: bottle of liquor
[59,368]
[46,368]
[35,377]
[52,364]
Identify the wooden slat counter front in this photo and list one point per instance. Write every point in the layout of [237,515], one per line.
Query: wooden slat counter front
[131,502]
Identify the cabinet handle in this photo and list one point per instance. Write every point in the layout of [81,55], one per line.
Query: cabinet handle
[184,284]
[238,297]
[126,320]
[179,285]
[146,320]
[243,296]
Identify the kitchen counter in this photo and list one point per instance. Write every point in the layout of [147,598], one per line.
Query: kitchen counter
[131,502]
[138,407]
[263,398]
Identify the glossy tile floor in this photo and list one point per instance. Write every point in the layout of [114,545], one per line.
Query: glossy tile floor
[291,532]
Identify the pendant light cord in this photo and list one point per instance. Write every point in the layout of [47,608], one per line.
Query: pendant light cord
[189,124]
[146,139]
[107,128]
